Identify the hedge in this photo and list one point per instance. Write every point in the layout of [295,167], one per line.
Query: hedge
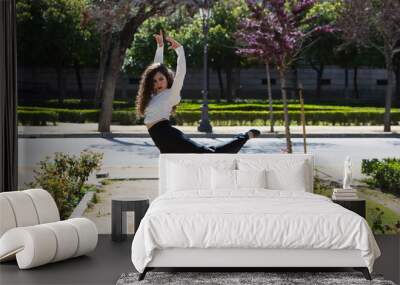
[312,117]
[37,117]
[71,104]
[66,115]
[258,107]
[384,173]
[124,117]
[223,117]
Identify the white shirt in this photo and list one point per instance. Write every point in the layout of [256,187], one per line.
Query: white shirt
[160,105]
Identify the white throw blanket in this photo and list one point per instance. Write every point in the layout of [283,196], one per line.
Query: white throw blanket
[250,219]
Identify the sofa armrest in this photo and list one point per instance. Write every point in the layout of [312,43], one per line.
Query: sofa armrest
[40,244]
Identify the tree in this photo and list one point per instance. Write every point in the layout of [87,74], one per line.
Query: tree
[275,32]
[141,52]
[222,55]
[186,27]
[376,24]
[117,22]
[348,57]
[222,42]
[323,48]
[49,34]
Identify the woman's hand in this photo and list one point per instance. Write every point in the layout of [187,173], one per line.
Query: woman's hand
[173,43]
[159,39]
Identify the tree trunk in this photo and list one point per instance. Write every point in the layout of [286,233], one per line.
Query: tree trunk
[221,85]
[44,92]
[355,83]
[397,76]
[208,81]
[105,44]
[112,70]
[60,85]
[236,84]
[229,84]
[113,53]
[303,116]
[77,68]
[113,48]
[320,73]
[346,82]
[285,111]
[389,92]
[271,114]
[295,81]
[319,69]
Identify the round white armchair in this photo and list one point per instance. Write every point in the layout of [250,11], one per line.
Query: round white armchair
[31,230]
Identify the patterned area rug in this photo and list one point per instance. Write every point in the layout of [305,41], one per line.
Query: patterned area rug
[269,278]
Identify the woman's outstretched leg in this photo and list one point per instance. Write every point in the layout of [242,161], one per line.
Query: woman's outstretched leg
[171,140]
[236,144]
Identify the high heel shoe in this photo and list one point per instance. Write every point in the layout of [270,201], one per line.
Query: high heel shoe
[255,133]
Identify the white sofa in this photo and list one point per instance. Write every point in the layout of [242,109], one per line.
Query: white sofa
[31,231]
[174,234]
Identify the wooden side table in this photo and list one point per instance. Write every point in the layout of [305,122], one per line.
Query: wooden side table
[119,207]
[355,205]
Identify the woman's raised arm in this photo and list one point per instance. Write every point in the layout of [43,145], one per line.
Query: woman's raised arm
[180,70]
[159,56]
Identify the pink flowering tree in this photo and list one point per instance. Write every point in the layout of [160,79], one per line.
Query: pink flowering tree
[275,33]
[376,24]
[117,21]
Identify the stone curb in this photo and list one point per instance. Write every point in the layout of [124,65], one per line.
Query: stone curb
[208,135]
[82,206]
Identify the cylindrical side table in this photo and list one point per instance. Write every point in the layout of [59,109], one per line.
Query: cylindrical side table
[119,207]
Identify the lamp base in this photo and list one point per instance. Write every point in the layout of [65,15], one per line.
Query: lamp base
[205,126]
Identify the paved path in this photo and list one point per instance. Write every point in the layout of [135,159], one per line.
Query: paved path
[388,200]
[138,157]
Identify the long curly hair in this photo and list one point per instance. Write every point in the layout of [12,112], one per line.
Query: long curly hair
[146,86]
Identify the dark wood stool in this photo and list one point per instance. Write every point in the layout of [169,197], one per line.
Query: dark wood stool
[119,207]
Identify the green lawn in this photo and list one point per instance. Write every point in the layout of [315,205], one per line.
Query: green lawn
[389,217]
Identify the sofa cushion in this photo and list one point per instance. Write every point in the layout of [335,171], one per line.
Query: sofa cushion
[45,205]
[24,209]
[36,245]
[27,208]
[7,215]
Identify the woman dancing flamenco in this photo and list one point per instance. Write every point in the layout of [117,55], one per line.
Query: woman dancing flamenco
[159,93]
